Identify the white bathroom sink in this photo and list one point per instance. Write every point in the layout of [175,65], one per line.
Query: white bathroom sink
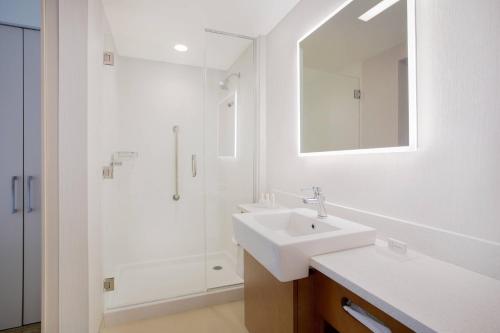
[283,241]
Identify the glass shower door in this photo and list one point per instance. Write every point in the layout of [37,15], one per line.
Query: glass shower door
[230,82]
[154,242]
[180,141]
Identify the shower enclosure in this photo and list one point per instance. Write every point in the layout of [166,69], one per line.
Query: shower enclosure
[180,141]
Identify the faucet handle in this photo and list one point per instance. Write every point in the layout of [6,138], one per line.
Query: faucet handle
[315,190]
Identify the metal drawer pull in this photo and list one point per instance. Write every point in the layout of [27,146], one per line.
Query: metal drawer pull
[365,318]
[30,180]
[14,185]
[194,168]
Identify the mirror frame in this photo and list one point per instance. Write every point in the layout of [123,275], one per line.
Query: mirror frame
[412,88]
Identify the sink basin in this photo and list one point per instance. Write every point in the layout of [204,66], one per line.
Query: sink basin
[293,224]
[283,241]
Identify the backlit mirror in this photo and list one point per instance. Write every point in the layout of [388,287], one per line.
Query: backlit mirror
[357,79]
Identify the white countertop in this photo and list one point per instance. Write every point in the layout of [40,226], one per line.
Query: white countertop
[425,294]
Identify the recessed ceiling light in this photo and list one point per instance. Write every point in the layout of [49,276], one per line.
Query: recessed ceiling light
[377,9]
[180,48]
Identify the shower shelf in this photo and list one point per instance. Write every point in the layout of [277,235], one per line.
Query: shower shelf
[123,156]
[117,159]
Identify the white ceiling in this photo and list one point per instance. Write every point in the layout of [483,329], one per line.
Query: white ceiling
[150,28]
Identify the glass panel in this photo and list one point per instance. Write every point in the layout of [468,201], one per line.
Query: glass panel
[226,129]
[154,246]
[179,143]
[229,148]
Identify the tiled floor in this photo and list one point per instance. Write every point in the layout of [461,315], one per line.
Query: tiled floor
[34,328]
[225,318]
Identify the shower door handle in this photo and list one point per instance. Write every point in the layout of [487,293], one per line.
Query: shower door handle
[176,195]
[194,168]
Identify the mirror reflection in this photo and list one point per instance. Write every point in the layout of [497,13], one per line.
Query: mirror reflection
[354,79]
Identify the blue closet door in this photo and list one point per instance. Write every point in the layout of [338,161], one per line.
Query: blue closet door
[32,173]
[11,176]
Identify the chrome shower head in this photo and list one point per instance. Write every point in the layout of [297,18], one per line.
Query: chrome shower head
[224,83]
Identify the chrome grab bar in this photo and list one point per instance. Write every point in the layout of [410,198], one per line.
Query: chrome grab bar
[30,179]
[15,179]
[176,195]
[194,168]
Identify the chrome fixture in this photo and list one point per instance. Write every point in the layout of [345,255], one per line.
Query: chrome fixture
[194,168]
[317,199]
[117,159]
[223,84]
[109,284]
[108,58]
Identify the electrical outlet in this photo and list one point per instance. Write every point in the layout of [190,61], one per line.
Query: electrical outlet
[397,246]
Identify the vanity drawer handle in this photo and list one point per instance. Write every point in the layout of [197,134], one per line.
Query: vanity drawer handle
[363,316]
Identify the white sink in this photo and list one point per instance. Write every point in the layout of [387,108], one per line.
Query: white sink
[283,241]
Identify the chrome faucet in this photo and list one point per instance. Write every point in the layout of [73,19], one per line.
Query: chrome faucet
[319,200]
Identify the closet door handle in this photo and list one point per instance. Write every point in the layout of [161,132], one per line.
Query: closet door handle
[14,186]
[30,180]
[194,168]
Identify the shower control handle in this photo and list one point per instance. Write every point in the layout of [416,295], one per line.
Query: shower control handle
[194,168]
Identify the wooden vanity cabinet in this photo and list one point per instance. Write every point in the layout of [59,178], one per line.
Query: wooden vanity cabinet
[310,305]
[272,306]
[329,298]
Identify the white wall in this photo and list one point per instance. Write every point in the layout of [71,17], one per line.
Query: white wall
[226,121]
[23,13]
[73,166]
[81,36]
[441,199]
[97,27]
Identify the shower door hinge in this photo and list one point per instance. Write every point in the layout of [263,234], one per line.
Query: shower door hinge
[357,94]
[109,284]
[109,58]
[107,172]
